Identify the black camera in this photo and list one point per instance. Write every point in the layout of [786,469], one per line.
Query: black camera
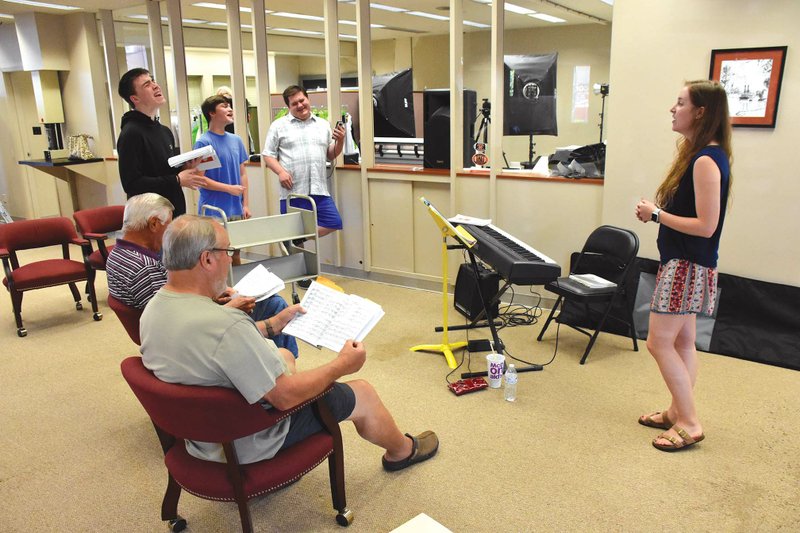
[486,108]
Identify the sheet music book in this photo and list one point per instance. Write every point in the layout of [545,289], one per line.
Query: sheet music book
[592,281]
[259,283]
[207,153]
[472,221]
[333,317]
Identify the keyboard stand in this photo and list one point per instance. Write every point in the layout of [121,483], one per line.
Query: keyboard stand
[480,345]
[495,345]
[474,323]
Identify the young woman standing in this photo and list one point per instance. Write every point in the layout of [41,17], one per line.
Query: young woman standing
[690,208]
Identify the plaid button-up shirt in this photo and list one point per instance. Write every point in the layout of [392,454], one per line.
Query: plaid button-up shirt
[301,147]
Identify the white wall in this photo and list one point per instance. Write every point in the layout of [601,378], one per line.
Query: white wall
[655,47]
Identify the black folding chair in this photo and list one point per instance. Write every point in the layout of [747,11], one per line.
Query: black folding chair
[608,253]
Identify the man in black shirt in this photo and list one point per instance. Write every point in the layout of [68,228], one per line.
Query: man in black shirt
[144,145]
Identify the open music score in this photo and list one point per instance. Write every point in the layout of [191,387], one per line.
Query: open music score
[333,317]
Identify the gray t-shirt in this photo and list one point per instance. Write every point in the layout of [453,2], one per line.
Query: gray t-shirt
[189,339]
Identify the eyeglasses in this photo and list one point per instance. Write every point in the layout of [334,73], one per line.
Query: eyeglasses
[230,251]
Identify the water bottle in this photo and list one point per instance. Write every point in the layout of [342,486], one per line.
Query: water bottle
[510,391]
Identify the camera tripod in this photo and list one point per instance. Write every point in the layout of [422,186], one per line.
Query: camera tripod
[486,119]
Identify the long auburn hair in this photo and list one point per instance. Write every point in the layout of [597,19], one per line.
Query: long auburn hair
[713,126]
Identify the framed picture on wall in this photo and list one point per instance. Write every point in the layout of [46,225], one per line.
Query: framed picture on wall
[752,78]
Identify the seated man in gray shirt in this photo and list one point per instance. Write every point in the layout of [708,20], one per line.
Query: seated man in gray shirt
[135,272]
[188,339]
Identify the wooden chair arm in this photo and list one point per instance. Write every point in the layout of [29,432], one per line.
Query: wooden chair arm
[7,267]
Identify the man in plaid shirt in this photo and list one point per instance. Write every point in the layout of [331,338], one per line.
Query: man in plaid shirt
[296,149]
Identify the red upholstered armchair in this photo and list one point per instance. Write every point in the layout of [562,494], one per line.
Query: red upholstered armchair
[95,225]
[29,234]
[129,316]
[217,414]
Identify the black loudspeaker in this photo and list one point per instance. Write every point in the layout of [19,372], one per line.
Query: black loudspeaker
[467,299]
[436,127]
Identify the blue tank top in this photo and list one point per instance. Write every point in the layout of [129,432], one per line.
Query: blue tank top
[676,245]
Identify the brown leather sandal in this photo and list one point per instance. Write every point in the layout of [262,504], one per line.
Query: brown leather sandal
[647,420]
[685,440]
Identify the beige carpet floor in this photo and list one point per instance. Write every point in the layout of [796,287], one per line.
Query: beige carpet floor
[77,452]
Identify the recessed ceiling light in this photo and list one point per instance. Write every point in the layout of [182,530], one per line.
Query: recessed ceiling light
[426,15]
[609,2]
[476,24]
[353,23]
[296,16]
[221,24]
[345,36]
[42,4]
[548,18]
[144,17]
[221,6]
[514,8]
[303,32]
[5,16]
[388,8]
[165,19]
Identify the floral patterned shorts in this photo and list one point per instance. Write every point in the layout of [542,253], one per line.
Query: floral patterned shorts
[683,287]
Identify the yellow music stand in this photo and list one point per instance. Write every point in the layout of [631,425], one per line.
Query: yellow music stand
[465,239]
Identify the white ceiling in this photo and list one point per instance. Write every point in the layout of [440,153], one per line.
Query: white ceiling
[397,24]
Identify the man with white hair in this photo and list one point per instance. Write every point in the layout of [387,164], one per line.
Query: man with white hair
[187,339]
[135,271]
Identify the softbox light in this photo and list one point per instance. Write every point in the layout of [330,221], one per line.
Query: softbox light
[393,104]
[530,95]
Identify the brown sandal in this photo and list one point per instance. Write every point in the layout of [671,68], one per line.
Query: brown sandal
[647,420]
[685,440]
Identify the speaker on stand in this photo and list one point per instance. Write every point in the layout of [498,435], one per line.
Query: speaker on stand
[436,127]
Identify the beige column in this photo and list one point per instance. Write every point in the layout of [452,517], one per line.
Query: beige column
[113,73]
[496,92]
[264,101]
[157,64]
[237,69]
[456,95]
[334,78]
[364,52]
